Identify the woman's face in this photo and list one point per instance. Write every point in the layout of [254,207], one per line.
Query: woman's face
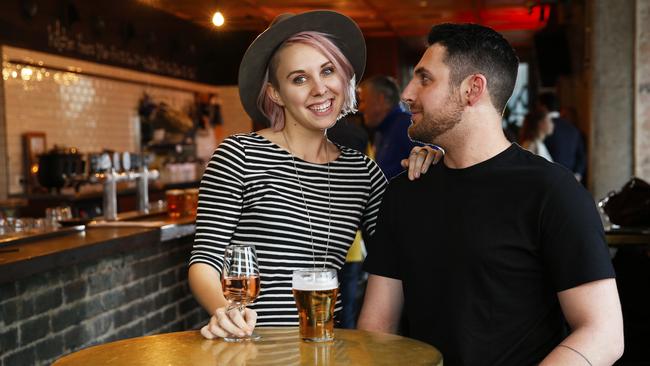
[309,89]
[546,126]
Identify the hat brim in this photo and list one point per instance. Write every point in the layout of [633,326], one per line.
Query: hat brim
[343,31]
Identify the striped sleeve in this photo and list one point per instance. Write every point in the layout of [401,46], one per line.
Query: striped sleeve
[377,187]
[220,203]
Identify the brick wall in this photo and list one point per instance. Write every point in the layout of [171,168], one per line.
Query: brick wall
[47,315]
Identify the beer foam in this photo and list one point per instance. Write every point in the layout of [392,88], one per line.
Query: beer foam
[314,280]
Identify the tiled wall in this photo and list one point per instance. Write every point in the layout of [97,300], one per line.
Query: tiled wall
[93,108]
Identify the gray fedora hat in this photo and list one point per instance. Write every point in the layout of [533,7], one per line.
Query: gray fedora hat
[342,30]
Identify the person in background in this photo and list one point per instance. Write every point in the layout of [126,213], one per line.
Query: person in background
[204,136]
[494,251]
[565,144]
[287,190]
[380,104]
[537,125]
[348,131]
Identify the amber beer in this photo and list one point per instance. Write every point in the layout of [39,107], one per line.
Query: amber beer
[315,292]
[175,203]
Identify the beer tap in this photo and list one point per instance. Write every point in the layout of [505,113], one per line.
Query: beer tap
[133,168]
[142,177]
[109,177]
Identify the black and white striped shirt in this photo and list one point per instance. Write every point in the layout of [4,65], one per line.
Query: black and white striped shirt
[250,194]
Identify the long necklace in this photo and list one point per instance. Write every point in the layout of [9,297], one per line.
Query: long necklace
[304,201]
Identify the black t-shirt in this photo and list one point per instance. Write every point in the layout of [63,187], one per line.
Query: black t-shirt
[483,251]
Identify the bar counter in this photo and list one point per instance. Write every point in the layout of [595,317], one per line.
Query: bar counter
[102,284]
[24,259]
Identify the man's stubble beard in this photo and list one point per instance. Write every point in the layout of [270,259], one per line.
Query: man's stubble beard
[433,126]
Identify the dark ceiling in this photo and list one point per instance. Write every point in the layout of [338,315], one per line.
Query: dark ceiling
[408,20]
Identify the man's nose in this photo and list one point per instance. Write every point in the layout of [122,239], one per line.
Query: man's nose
[408,94]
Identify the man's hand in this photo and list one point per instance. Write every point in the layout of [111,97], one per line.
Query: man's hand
[420,159]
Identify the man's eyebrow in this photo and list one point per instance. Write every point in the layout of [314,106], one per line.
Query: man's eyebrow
[421,71]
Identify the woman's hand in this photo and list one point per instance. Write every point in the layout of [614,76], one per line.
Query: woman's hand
[230,322]
[420,159]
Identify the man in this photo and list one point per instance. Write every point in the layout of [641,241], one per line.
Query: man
[379,101]
[565,143]
[491,250]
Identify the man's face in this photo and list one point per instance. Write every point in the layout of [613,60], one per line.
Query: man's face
[372,105]
[436,107]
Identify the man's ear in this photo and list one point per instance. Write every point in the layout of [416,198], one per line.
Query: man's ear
[273,93]
[474,87]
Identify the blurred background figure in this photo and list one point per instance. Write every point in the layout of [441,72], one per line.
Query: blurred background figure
[208,124]
[565,145]
[349,131]
[379,101]
[537,126]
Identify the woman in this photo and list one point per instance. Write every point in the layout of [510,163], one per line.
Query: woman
[287,189]
[537,125]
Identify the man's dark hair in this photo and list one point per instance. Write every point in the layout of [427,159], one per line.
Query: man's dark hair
[473,48]
[386,86]
[549,101]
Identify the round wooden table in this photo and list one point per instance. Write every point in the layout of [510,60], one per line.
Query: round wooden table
[278,346]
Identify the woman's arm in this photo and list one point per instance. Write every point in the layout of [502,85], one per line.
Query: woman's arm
[205,283]
[219,210]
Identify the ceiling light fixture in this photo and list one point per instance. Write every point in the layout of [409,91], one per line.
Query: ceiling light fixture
[218,19]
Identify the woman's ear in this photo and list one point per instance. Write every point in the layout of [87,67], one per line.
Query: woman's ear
[272,92]
[474,87]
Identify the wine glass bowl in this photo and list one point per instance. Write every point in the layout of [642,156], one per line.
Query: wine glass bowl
[240,281]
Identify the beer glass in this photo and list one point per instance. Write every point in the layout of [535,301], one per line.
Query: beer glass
[315,292]
[175,203]
[240,281]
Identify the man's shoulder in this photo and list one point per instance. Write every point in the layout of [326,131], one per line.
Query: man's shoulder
[530,163]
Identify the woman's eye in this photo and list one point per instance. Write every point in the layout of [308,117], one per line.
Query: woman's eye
[328,71]
[299,80]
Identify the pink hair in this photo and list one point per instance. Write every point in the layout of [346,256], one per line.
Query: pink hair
[322,43]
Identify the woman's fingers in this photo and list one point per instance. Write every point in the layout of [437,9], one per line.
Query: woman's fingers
[206,333]
[213,330]
[225,321]
[237,318]
[420,159]
[251,319]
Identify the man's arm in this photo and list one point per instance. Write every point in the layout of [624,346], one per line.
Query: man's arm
[382,306]
[593,312]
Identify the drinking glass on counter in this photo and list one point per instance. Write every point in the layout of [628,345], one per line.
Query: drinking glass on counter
[175,203]
[240,281]
[191,201]
[315,291]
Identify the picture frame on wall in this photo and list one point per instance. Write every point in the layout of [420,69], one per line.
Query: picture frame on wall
[34,144]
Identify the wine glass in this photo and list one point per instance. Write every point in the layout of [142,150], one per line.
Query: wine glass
[240,281]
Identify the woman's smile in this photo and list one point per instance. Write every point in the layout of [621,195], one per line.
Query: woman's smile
[323,108]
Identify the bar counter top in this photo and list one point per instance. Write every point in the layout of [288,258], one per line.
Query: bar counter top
[24,259]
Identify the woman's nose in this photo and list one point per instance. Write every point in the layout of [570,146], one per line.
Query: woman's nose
[319,87]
